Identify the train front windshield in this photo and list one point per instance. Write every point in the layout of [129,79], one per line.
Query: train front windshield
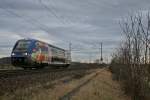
[22,46]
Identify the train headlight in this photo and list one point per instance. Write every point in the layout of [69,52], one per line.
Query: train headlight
[25,54]
[13,54]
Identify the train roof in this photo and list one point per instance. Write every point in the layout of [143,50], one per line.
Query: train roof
[44,42]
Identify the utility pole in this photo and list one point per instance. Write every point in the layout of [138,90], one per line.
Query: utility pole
[101,53]
[70,49]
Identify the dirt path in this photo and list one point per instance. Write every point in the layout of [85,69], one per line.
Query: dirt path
[102,87]
[95,86]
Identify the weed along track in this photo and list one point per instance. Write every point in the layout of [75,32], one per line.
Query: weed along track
[71,93]
[10,81]
[63,84]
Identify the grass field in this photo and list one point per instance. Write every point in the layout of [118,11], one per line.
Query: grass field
[101,87]
[7,67]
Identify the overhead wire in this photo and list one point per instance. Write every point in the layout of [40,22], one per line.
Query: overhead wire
[30,20]
[39,25]
[51,10]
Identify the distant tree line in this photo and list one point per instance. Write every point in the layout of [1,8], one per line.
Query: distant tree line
[131,62]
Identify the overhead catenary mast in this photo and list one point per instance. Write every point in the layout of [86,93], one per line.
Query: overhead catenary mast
[101,53]
[70,49]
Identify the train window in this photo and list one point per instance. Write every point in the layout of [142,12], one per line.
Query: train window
[22,45]
[54,51]
[44,49]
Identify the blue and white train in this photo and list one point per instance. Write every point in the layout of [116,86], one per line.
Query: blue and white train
[31,53]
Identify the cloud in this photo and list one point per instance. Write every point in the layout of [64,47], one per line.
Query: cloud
[84,23]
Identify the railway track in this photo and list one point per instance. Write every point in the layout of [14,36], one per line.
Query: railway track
[20,72]
[10,80]
[14,73]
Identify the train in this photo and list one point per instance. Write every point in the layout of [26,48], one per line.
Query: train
[32,53]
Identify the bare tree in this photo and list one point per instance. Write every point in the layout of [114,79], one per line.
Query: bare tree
[133,56]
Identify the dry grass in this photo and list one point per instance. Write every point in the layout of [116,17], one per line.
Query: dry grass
[7,67]
[101,88]
[31,92]
[60,89]
[42,90]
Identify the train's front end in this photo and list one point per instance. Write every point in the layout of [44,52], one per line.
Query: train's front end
[21,53]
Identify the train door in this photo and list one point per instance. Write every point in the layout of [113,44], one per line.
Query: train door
[39,54]
[36,53]
[44,52]
[49,55]
[41,51]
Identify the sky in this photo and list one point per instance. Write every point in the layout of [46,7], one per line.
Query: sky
[83,23]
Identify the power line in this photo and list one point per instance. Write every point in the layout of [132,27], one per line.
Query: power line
[51,11]
[93,50]
[31,20]
[27,20]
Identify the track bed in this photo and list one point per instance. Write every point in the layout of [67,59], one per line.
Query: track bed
[12,80]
